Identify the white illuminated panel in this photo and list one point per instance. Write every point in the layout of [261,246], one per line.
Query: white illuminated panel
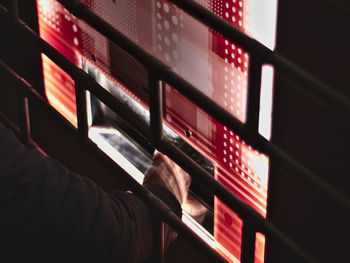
[260,21]
[266,94]
[94,135]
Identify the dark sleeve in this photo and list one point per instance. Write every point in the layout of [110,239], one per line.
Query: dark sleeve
[111,227]
[170,200]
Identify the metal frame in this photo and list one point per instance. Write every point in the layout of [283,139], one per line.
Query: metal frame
[158,74]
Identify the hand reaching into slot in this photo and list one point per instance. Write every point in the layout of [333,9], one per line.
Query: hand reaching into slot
[166,173]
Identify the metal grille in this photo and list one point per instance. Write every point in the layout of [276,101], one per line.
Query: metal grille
[252,221]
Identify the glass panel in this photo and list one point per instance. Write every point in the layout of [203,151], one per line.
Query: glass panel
[60,90]
[238,167]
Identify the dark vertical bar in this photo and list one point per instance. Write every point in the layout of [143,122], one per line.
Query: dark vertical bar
[158,241]
[24,122]
[162,83]
[254,83]
[248,243]
[156,108]
[80,95]
[13,10]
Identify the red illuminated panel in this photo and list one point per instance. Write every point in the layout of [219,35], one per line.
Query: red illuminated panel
[240,168]
[60,90]
[214,65]
[59,28]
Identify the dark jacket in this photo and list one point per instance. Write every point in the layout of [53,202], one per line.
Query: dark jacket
[50,214]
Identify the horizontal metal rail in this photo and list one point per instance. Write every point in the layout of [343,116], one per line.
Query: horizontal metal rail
[343,5]
[213,109]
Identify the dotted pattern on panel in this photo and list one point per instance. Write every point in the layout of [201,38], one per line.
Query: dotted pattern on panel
[121,14]
[75,40]
[60,28]
[168,25]
[244,162]
[74,36]
[48,15]
[95,51]
[236,160]
[205,3]
[235,58]
[244,172]
[246,21]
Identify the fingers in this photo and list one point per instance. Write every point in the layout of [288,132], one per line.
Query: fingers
[168,174]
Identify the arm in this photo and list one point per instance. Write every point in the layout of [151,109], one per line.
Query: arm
[111,227]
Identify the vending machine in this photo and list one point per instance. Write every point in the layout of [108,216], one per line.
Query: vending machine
[214,65]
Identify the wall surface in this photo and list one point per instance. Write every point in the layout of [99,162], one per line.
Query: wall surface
[312,34]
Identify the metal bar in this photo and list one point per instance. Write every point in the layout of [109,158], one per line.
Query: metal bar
[13,10]
[243,210]
[16,130]
[163,95]
[9,123]
[44,47]
[158,241]
[254,88]
[156,108]
[118,106]
[248,243]
[80,96]
[343,5]
[169,217]
[24,121]
[276,236]
[310,85]
[22,101]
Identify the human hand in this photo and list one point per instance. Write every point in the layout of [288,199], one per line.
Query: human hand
[164,172]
